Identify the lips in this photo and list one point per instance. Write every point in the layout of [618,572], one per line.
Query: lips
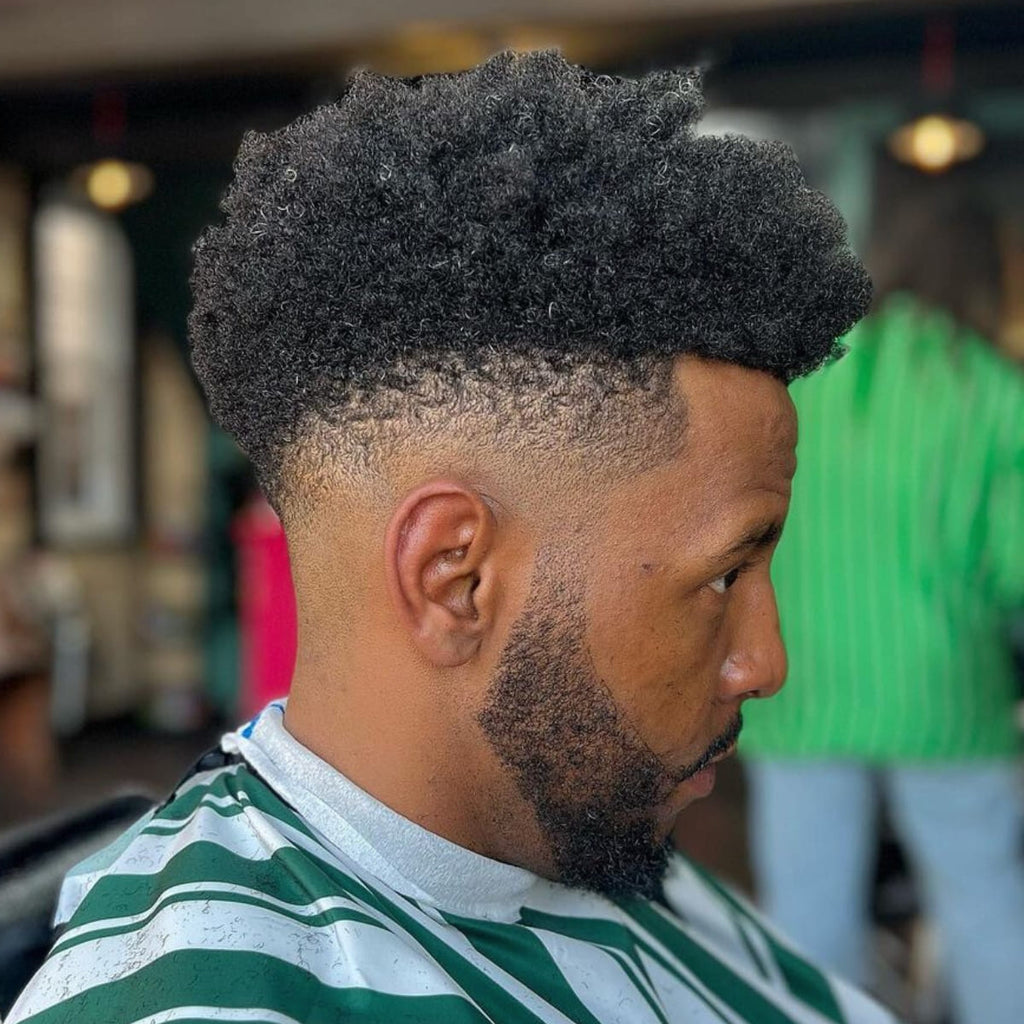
[725,744]
[703,782]
[723,755]
[728,752]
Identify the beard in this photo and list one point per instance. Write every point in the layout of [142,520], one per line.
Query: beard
[593,784]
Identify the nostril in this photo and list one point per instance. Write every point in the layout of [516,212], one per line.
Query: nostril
[739,677]
[734,672]
[746,677]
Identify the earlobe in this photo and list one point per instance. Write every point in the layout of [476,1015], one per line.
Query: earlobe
[438,551]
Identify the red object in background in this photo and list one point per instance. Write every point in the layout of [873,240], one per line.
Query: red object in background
[938,55]
[266,604]
[109,116]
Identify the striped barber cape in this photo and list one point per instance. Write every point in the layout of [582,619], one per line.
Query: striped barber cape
[274,890]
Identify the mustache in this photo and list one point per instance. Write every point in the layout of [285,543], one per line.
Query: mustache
[717,747]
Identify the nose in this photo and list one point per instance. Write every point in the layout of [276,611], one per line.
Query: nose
[756,665]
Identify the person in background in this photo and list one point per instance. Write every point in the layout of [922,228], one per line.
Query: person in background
[902,562]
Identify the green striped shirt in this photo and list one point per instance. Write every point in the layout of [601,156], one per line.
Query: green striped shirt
[904,551]
[275,890]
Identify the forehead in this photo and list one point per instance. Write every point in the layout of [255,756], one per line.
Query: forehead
[744,417]
[733,469]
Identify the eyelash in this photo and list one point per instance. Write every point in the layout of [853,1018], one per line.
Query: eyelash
[728,584]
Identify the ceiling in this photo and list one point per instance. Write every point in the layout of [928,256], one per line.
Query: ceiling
[42,39]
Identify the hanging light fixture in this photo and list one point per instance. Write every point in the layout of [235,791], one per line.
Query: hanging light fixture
[936,140]
[112,184]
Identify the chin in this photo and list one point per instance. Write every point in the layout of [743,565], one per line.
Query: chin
[668,818]
[697,787]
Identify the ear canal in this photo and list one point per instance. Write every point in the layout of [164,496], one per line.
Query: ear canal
[463,602]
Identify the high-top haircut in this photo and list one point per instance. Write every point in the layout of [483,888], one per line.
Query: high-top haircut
[525,241]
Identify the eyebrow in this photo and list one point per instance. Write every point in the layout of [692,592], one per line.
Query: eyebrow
[761,536]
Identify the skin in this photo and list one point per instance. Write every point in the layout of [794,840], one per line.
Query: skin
[416,616]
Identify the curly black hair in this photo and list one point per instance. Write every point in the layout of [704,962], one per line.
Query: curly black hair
[509,224]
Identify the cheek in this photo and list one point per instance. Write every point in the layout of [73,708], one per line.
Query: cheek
[660,656]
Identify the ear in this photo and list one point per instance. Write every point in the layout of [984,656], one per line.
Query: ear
[438,549]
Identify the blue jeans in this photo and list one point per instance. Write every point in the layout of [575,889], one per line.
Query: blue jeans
[813,843]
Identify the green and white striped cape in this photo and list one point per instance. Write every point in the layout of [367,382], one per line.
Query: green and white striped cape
[274,890]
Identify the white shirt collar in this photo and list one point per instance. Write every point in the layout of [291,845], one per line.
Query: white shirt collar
[405,856]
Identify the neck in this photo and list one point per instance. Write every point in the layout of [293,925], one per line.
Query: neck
[396,735]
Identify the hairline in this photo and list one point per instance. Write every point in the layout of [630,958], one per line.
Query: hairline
[638,430]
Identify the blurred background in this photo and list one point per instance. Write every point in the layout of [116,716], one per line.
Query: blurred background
[144,590]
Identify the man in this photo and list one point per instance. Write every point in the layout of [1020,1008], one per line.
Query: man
[509,351]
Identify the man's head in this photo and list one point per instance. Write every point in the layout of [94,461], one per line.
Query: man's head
[509,352]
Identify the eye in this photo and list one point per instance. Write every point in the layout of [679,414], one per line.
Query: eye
[723,583]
